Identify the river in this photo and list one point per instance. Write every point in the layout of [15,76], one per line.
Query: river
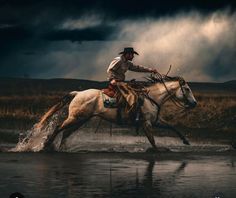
[167,174]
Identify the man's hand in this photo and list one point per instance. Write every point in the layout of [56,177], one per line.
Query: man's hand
[153,70]
[113,82]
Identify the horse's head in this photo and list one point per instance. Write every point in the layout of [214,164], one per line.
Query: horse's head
[185,95]
[175,89]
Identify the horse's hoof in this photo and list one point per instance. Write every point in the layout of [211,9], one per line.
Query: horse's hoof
[163,149]
[62,148]
[49,148]
[151,150]
[233,144]
[157,149]
[186,142]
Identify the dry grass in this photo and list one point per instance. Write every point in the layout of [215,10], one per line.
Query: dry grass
[218,112]
[214,112]
[23,111]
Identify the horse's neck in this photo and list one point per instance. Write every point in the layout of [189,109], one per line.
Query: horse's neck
[159,92]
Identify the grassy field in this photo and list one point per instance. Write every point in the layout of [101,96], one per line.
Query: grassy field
[214,116]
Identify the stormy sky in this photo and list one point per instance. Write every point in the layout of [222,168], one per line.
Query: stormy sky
[78,39]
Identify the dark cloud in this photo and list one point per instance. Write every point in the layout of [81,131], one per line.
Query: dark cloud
[87,34]
[138,9]
[35,40]
[42,16]
[14,32]
[115,8]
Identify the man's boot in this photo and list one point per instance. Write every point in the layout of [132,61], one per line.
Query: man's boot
[137,120]
[140,103]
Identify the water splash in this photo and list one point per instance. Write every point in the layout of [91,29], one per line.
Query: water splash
[34,139]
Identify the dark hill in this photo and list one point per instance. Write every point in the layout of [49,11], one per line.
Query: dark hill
[24,86]
[41,86]
[213,87]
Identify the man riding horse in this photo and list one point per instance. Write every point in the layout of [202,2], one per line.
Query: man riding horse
[83,105]
[116,76]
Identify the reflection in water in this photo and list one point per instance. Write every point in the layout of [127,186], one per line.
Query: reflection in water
[116,175]
[232,163]
[150,186]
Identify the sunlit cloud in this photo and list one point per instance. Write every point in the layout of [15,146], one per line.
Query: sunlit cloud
[195,45]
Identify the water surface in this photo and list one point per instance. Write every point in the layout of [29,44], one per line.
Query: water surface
[118,174]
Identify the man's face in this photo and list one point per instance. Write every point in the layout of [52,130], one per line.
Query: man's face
[129,56]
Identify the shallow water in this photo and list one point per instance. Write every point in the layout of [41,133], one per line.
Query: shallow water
[116,165]
[88,141]
[119,141]
[118,174]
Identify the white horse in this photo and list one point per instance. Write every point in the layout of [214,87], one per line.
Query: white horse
[83,105]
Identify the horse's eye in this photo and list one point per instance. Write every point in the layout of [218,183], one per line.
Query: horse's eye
[187,89]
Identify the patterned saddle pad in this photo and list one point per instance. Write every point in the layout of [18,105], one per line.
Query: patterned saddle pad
[109,102]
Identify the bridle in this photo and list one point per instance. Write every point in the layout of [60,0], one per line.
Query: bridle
[174,99]
[172,96]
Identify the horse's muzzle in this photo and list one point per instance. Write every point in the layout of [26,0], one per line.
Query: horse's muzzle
[192,104]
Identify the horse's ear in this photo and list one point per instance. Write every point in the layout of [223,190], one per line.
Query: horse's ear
[181,81]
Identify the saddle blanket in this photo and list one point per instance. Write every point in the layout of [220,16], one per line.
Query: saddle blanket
[109,102]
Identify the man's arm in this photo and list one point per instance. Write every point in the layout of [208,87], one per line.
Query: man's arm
[114,65]
[139,68]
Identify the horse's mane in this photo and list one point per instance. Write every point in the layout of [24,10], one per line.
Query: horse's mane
[155,78]
[152,79]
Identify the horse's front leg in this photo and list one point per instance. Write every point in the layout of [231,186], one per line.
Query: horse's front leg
[147,125]
[164,124]
[149,133]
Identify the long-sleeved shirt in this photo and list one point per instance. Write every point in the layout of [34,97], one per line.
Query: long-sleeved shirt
[119,66]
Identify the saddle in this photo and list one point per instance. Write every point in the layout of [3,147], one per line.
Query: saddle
[110,91]
[109,96]
[130,93]
[124,96]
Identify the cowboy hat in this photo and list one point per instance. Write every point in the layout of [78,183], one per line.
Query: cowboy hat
[129,50]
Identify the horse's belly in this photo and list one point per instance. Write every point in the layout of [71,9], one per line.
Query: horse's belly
[111,114]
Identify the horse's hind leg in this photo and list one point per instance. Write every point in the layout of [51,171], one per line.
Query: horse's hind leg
[69,130]
[70,121]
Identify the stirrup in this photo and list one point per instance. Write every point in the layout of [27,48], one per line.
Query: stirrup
[137,117]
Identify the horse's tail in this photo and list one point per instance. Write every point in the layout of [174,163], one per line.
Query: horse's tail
[65,100]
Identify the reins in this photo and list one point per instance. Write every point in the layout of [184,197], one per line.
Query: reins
[174,99]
